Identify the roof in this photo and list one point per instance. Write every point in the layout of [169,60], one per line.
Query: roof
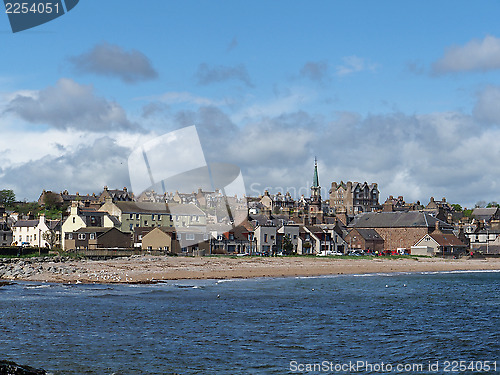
[484,213]
[411,219]
[152,207]
[315,177]
[447,239]
[26,223]
[92,230]
[369,234]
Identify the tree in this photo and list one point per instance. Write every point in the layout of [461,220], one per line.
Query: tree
[50,237]
[457,207]
[7,197]
[493,204]
[287,245]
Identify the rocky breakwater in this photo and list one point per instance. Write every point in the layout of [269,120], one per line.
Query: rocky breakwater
[11,368]
[34,268]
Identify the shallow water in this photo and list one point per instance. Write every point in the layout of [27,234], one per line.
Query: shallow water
[256,326]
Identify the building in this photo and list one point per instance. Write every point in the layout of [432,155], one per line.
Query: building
[400,230]
[315,209]
[82,217]
[116,195]
[352,198]
[442,244]
[365,239]
[148,214]
[5,230]
[486,215]
[39,233]
[92,238]
[160,239]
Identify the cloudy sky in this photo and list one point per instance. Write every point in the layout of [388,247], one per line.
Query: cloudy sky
[405,94]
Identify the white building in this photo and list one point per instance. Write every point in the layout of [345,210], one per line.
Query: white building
[36,233]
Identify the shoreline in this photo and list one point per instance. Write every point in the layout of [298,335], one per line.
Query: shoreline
[153,269]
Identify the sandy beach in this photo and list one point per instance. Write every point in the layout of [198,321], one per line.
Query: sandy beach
[147,269]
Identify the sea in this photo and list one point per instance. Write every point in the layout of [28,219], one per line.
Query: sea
[400,323]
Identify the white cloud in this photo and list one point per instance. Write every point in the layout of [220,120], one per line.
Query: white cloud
[487,108]
[353,64]
[476,55]
[69,105]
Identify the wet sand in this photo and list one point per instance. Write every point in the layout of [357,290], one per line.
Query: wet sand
[147,269]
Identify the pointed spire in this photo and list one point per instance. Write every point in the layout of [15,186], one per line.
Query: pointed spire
[315,177]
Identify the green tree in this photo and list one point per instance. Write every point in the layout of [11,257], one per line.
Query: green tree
[7,197]
[493,204]
[457,207]
[287,245]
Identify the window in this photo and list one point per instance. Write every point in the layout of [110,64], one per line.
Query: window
[81,236]
[34,237]
[70,236]
[152,217]
[74,220]
[179,237]
[92,236]
[131,216]
[190,236]
[265,237]
[131,226]
[145,223]
[137,216]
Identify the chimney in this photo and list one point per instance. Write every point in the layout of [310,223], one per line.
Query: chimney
[125,189]
[438,229]
[42,218]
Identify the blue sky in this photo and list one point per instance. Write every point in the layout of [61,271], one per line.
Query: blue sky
[403,94]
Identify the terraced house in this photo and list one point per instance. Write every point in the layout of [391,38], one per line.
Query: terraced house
[149,214]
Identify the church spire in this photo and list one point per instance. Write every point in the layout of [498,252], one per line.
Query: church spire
[315,177]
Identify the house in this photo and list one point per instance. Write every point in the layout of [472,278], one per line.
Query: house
[265,238]
[482,237]
[149,214]
[5,230]
[486,215]
[352,198]
[442,210]
[116,195]
[313,239]
[82,217]
[160,239]
[291,232]
[92,238]
[365,239]
[237,240]
[442,243]
[37,233]
[400,229]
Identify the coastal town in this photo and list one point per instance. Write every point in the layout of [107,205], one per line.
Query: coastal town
[351,222]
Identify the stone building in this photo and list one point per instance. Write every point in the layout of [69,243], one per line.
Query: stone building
[400,230]
[352,198]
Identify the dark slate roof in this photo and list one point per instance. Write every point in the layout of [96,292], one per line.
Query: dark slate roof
[484,213]
[141,207]
[397,220]
[26,223]
[92,230]
[369,234]
[151,207]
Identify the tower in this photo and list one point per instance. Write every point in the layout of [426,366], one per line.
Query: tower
[315,212]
